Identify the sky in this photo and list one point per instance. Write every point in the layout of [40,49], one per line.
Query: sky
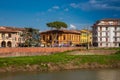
[77,14]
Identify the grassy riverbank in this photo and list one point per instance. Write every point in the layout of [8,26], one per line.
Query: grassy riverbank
[59,61]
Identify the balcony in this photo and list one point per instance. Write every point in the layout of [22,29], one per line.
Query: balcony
[103,42]
[116,41]
[116,31]
[103,36]
[103,30]
[116,36]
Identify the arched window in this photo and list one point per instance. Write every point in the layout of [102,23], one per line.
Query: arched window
[3,44]
[9,44]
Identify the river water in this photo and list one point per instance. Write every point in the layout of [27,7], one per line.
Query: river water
[106,74]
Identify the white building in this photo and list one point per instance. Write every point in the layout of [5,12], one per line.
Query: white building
[106,33]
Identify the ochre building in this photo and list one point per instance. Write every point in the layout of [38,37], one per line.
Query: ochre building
[86,37]
[60,38]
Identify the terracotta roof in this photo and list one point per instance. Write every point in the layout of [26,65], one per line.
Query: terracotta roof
[9,29]
[111,19]
[64,31]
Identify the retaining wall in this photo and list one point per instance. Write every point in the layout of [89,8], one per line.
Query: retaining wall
[7,52]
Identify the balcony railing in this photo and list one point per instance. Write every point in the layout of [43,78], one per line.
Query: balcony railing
[103,30]
[116,31]
[116,41]
[116,36]
[103,36]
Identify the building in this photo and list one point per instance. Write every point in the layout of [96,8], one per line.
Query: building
[60,38]
[10,37]
[106,33]
[85,37]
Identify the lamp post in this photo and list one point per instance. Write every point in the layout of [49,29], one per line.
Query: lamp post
[87,40]
[87,32]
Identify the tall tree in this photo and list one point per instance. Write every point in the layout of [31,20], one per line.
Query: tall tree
[31,37]
[56,25]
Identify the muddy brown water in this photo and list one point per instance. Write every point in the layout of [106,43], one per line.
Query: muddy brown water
[103,74]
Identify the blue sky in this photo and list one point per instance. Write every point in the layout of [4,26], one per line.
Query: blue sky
[76,13]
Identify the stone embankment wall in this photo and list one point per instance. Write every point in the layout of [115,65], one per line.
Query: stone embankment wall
[10,52]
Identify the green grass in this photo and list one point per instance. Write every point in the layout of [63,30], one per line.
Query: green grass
[59,58]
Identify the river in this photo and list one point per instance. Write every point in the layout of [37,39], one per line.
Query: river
[103,74]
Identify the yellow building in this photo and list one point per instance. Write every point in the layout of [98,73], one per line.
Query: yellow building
[86,37]
[60,38]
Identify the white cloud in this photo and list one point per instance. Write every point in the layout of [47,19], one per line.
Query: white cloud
[56,7]
[74,5]
[98,5]
[72,26]
[66,9]
[53,8]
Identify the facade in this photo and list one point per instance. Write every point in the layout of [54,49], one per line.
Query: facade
[60,38]
[106,33]
[10,37]
[85,37]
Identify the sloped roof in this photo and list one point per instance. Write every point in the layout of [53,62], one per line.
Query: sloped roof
[63,31]
[85,30]
[10,29]
[111,19]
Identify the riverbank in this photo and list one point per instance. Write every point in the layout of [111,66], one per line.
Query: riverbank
[59,61]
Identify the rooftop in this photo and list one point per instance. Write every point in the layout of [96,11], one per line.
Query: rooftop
[63,31]
[10,29]
[111,19]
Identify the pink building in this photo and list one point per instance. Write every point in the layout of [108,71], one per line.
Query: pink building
[10,37]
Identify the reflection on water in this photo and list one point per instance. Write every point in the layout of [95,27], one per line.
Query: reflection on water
[66,75]
[108,75]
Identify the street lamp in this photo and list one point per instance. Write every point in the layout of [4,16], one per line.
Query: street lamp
[87,33]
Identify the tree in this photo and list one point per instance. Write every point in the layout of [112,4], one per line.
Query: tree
[31,37]
[56,25]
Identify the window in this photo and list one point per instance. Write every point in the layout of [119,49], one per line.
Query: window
[106,28]
[115,38]
[106,34]
[100,39]
[106,39]
[50,37]
[115,44]
[100,44]
[115,28]
[57,37]
[9,35]
[64,37]
[44,37]
[106,44]
[3,35]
